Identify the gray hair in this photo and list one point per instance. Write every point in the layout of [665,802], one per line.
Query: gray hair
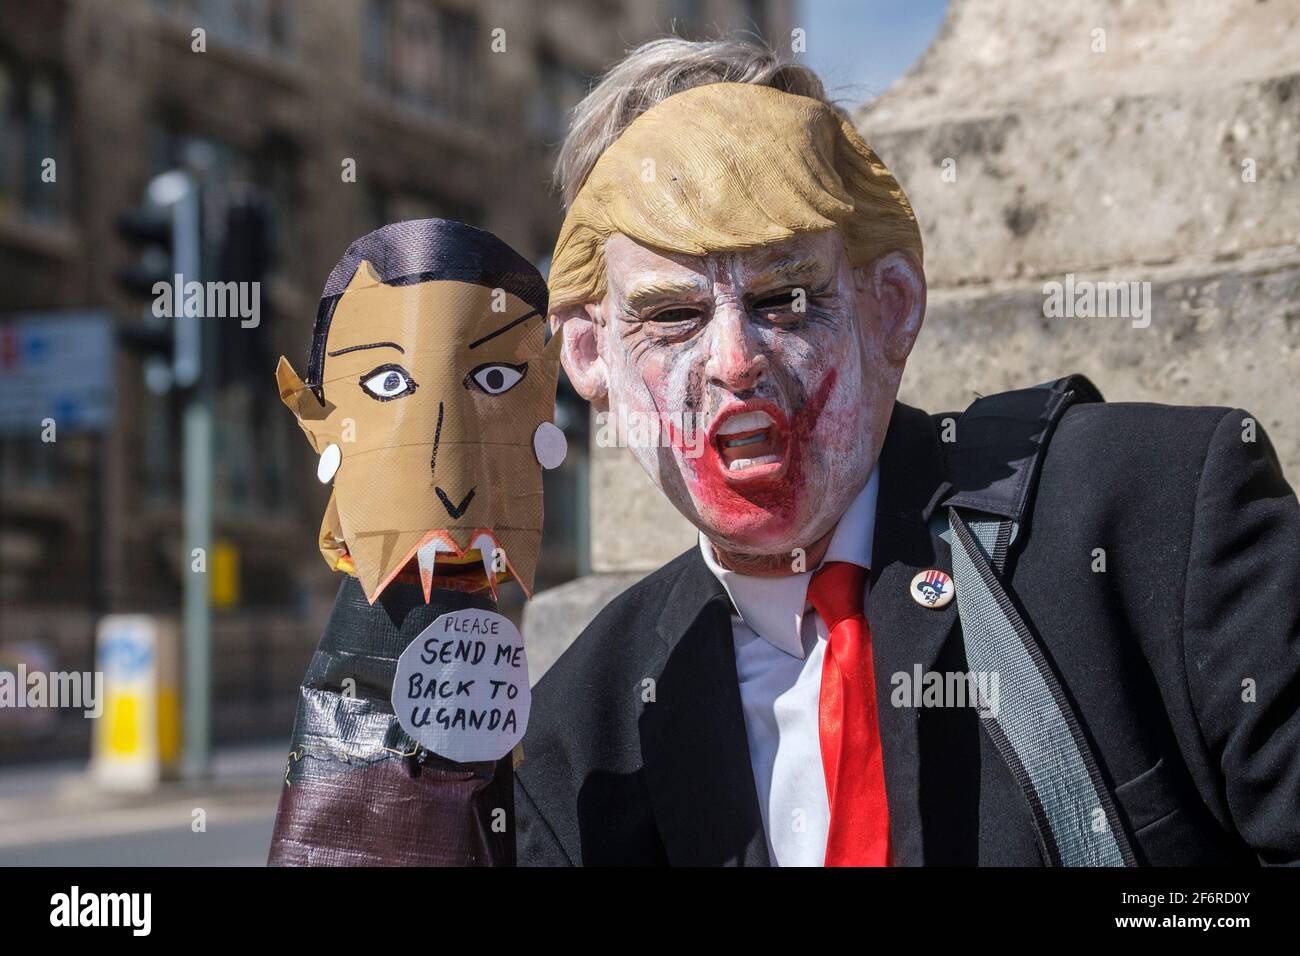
[655,71]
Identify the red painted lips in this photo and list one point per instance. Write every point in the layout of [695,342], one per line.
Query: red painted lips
[747,441]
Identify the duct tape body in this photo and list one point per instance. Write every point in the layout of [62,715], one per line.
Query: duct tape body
[359,791]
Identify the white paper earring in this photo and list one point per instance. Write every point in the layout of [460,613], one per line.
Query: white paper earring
[549,445]
[330,459]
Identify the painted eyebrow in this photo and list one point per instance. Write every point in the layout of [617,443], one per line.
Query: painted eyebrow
[644,296]
[505,328]
[788,271]
[371,345]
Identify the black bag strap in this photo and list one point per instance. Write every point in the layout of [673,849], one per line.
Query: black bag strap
[994,467]
[994,462]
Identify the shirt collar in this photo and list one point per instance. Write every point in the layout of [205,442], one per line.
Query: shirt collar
[773,607]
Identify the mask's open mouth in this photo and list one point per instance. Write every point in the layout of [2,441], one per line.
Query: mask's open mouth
[750,442]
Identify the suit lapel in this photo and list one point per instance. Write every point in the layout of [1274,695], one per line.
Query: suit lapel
[906,636]
[693,741]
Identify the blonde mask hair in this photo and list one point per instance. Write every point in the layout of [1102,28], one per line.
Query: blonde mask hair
[726,167]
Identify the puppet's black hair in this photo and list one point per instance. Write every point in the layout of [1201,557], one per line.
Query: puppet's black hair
[424,250]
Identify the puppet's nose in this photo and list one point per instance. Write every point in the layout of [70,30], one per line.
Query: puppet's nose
[437,439]
[455,511]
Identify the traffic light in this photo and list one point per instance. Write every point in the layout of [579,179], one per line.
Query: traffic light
[164,233]
[149,231]
[244,349]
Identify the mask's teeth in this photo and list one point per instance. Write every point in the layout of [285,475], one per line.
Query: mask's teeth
[486,546]
[427,555]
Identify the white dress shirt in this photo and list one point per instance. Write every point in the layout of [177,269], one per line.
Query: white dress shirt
[780,641]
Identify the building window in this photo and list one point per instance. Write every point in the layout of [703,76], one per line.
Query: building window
[262,26]
[422,56]
[375,30]
[44,132]
[34,159]
[559,89]
[10,143]
[460,73]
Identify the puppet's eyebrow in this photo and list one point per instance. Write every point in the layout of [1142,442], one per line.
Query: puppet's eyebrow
[505,328]
[372,345]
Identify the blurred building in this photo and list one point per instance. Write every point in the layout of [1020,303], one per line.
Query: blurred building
[439,107]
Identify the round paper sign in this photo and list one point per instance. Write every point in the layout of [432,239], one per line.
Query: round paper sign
[461,688]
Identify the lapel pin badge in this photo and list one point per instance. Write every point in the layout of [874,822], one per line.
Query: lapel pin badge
[932,588]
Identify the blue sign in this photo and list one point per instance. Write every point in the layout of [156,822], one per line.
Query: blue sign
[56,367]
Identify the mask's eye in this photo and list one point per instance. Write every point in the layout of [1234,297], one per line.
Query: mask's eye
[782,300]
[388,382]
[677,315]
[495,378]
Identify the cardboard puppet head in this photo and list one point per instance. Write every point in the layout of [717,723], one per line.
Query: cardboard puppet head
[429,397]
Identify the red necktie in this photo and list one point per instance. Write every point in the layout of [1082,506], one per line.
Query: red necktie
[850,729]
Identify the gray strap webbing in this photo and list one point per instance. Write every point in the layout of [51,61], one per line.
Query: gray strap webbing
[1031,723]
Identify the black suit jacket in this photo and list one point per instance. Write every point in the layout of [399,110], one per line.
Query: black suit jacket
[1182,659]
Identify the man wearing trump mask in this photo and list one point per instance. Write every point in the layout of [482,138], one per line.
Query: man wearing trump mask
[738,264]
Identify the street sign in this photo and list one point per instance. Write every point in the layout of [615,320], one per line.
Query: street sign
[56,365]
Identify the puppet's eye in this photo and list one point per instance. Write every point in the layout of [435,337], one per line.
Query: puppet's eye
[388,382]
[495,378]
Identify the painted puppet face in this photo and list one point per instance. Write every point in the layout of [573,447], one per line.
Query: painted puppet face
[434,395]
[771,372]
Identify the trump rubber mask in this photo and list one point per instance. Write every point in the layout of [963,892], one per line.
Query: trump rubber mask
[726,167]
[429,397]
[742,271]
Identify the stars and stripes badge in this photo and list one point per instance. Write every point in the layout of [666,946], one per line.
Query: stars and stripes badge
[932,588]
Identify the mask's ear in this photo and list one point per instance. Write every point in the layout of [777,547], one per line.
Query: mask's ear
[894,288]
[301,400]
[578,327]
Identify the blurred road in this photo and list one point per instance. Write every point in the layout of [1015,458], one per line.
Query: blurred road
[51,815]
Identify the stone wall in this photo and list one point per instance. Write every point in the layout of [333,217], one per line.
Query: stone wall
[1171,156]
